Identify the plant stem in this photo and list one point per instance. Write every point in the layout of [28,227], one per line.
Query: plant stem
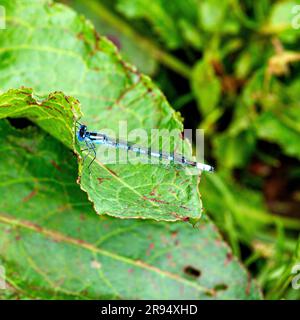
[157,53]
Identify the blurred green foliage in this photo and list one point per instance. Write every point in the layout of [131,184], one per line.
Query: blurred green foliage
[230,67]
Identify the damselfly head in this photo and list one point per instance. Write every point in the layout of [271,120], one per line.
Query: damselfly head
[82,132]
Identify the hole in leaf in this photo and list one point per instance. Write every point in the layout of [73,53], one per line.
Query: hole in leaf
[217,288]
[210,294]
[191,271]
[220,287]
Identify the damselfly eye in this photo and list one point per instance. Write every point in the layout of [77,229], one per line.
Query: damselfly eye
[82,132]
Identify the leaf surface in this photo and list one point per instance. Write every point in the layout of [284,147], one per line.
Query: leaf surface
[53,245]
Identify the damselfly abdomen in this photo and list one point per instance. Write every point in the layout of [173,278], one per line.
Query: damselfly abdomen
[92,138]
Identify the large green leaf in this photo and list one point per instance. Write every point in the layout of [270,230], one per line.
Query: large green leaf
[206,86]
[113,194]
[53,245]
[49,47]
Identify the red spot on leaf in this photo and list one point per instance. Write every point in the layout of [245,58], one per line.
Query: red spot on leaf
[115,40]
[153,192]
[185,208]
[155,200]
[29,196]
[229,258]
[80,36]
[174,234]
[151,247]
[169,256]
[100,180]
[218,242]
[55,165]
[248,288]
[112,172]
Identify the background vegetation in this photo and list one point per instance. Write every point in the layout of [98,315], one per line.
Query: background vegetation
[230,68]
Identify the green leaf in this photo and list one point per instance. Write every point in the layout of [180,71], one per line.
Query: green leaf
[53,245]
[64,52]
[164,17]
[182,23]
[234,150]
[281,21]
[278,122]
[206,86]
[212,14]
[116,194]
[281,128]
[191,34]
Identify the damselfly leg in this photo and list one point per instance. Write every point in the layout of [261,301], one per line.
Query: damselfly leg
[91,148]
